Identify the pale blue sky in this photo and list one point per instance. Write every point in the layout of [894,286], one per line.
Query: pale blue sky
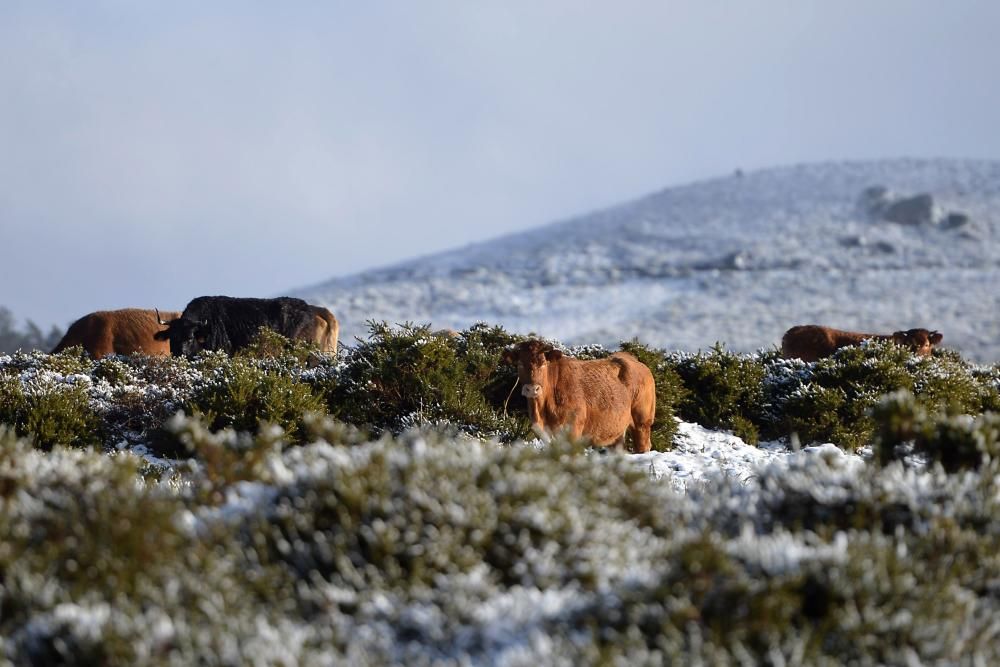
[151,153]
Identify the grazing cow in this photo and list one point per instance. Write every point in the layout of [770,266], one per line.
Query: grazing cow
[600,399]
[810,342]
[125,331]
[229,324]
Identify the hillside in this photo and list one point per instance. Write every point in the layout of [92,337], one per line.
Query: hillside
[736,259]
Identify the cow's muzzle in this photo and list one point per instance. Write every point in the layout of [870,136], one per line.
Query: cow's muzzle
[531,390]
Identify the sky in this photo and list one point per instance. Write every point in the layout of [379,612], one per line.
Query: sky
[155,152]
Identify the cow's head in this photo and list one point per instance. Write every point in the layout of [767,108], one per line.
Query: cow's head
[921,341]
[187,337]
[532,358]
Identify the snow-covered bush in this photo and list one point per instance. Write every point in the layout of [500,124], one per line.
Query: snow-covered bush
[405,371]
[243,395]
[404,376]
[829,400]
[50,407]
[723,390]
[430,547]
[956,441]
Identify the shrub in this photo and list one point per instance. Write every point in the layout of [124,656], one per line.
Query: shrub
[269,344]
[71,361]
[51,414]
[832,401]
[956,441]
[723,390]
[404,372]
[948,382]
[242,396]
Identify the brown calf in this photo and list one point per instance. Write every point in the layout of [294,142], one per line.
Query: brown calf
[126,331]
[810,342]
[601,399]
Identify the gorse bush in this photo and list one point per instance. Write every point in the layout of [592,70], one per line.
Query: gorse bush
[268,344]
[723,390]
[425,547]
[50,413]
[832,402]
[243,396]
[956,441]
[826,401]
[404,375]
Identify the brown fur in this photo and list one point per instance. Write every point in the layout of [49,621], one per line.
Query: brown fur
[810,342]
[325,330]
[126,331]
[601,399]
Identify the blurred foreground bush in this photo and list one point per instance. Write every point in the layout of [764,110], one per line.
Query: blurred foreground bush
[434,546]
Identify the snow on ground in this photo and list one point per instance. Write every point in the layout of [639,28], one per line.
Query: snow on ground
[700,454]
[737,259]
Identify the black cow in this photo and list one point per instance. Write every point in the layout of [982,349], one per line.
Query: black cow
[230,323]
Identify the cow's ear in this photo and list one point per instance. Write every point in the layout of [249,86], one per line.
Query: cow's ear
[936,337]
[553,355]
[899,337]
[508,356]
[162,335]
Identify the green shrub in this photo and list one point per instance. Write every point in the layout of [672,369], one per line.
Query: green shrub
[723,390]
[71,361]
[956,441]
[405,375]
[50,415]
[242,396]
[411,510]
[832,401]
[113,370]
[948,382]
[269,344]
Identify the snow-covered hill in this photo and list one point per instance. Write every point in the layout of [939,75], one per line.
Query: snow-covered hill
[737,259]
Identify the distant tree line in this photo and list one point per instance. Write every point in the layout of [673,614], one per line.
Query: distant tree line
[31,337]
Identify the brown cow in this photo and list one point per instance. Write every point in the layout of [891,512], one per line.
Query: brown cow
[601,399]
[326,329]
[125,331]
[810,342]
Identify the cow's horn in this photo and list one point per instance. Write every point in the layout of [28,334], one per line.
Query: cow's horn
[158,319]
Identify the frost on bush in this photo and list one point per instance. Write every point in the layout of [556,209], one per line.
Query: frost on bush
[956,441]
[724,390]
[51,408]
[406,370]
[828,400]
[244,395]
[434,546]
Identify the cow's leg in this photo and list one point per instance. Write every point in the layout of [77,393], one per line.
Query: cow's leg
[541,432]
[575,426]
[643,413]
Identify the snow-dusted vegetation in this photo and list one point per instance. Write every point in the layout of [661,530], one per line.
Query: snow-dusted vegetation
[286,507]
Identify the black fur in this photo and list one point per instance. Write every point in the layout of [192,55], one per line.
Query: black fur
[230,323]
